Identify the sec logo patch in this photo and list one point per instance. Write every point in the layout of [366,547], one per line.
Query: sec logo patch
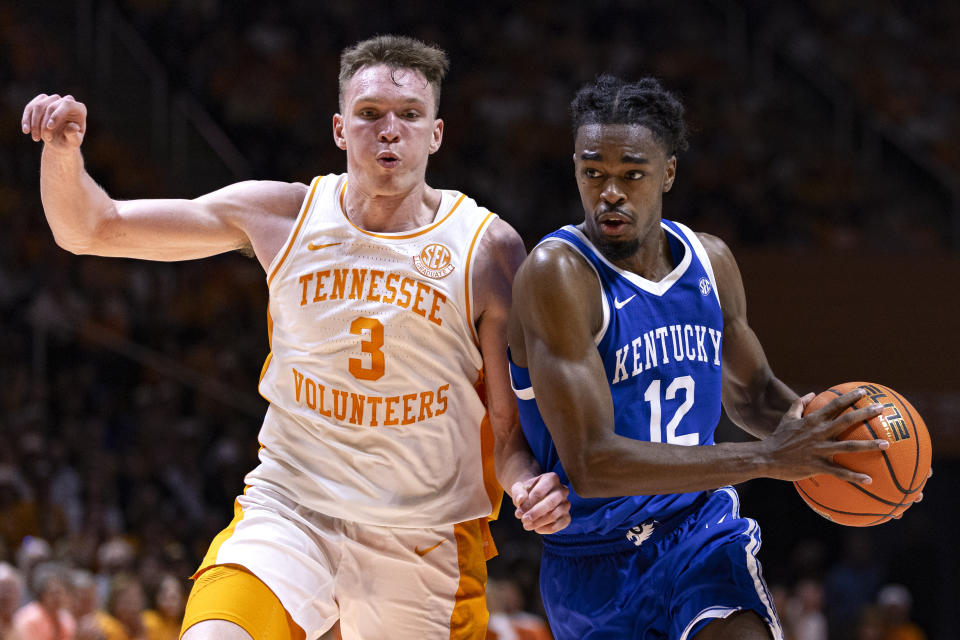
[434,261]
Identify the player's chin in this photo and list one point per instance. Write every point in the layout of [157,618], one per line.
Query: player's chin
[617,247]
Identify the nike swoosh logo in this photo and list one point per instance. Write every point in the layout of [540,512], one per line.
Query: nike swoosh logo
[424,552]
[621,304]
[315,247]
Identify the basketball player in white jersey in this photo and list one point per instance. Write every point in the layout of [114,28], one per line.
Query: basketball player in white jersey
[387,378]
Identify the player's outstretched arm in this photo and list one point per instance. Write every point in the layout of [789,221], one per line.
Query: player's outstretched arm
[84,219]
[555,315]
[540,500]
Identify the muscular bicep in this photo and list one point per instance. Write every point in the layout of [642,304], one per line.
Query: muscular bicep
[557,307]
[248,214]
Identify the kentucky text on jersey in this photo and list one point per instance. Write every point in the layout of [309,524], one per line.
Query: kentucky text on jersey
[650,349]
[374,286]
[661,343]
[368,410]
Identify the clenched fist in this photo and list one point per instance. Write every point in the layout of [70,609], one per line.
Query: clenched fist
[60,121]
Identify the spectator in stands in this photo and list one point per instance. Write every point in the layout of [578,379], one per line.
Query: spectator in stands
[508,618]
[11,593]
[46,617]
[123,618]
[805,612]
[896,602]
[163,621]
[84,590]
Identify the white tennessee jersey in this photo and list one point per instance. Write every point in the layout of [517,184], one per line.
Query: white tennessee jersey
[374,375]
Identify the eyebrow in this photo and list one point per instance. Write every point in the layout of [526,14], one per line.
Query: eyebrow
[626,158]
[380,99]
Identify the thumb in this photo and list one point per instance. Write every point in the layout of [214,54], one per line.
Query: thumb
[74,134]
[519,493]
[796,408]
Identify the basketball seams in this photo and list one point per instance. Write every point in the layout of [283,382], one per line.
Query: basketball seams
[876,497]
[886,456]
[909,410]
[819,506]
[893,461]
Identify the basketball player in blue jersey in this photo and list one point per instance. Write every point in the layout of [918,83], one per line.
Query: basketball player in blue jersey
[391,418]
[627,334]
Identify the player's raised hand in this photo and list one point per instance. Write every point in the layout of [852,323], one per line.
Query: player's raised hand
[60,121]
[803,446]
[542,503]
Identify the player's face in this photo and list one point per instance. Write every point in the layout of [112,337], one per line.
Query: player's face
[388,128]
[622,173]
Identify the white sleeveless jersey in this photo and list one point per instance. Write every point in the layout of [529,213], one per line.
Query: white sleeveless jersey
[374,376]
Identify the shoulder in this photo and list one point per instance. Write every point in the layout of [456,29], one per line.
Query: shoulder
[500,249]
[555,280]
[282,199]
[501,235]
[555,261]
[729,281]
[721,257]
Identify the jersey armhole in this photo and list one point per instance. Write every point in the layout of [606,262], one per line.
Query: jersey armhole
[278,260]
[701,252]
[605,303]
[468,276]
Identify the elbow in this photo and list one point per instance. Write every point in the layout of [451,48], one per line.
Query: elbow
[583,486]
[588,474]
[74,245]
[81,240]
[80,246]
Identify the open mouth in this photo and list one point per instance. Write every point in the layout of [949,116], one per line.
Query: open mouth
[612,226]
[612,223]
[388,160]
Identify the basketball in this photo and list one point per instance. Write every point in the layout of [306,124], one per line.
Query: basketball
[898,473]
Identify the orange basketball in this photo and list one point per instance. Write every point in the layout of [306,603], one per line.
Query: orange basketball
[898,473]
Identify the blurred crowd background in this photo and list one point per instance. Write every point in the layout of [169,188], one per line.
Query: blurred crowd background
[824,151]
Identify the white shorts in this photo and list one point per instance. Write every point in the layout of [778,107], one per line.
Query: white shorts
[379,582]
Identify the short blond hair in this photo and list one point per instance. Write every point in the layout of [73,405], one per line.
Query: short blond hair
[396,52]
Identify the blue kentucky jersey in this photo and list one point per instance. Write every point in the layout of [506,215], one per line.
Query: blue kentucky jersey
[661,350]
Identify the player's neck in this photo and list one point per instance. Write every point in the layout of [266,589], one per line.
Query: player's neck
[391,212]
[652,260]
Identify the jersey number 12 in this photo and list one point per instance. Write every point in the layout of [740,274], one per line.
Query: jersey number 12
[652,395]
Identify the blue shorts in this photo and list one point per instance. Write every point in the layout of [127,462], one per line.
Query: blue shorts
[659,581]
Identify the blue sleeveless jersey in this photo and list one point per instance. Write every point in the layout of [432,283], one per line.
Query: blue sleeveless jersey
[661,348]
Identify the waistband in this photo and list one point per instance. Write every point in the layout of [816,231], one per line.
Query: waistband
[625,538]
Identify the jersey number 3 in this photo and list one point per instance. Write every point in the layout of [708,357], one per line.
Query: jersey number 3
[652,395]
[371,346]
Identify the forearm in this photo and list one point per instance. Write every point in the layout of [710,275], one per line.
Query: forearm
[513,460]
[631,467]
[760,410]
[74,205]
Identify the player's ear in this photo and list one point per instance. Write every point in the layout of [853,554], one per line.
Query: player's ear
[338,136]
[669,173]
[437,135]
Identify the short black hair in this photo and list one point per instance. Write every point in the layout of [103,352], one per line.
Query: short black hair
[396,52]
[612,100]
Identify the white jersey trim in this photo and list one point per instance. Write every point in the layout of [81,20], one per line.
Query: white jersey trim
[701,252]
[472,253]
[656,288]
[598,337]
[523,394]
[753,532]
[280,258]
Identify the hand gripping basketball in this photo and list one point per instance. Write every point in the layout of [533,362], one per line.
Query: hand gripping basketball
[805,442]
[899,471]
